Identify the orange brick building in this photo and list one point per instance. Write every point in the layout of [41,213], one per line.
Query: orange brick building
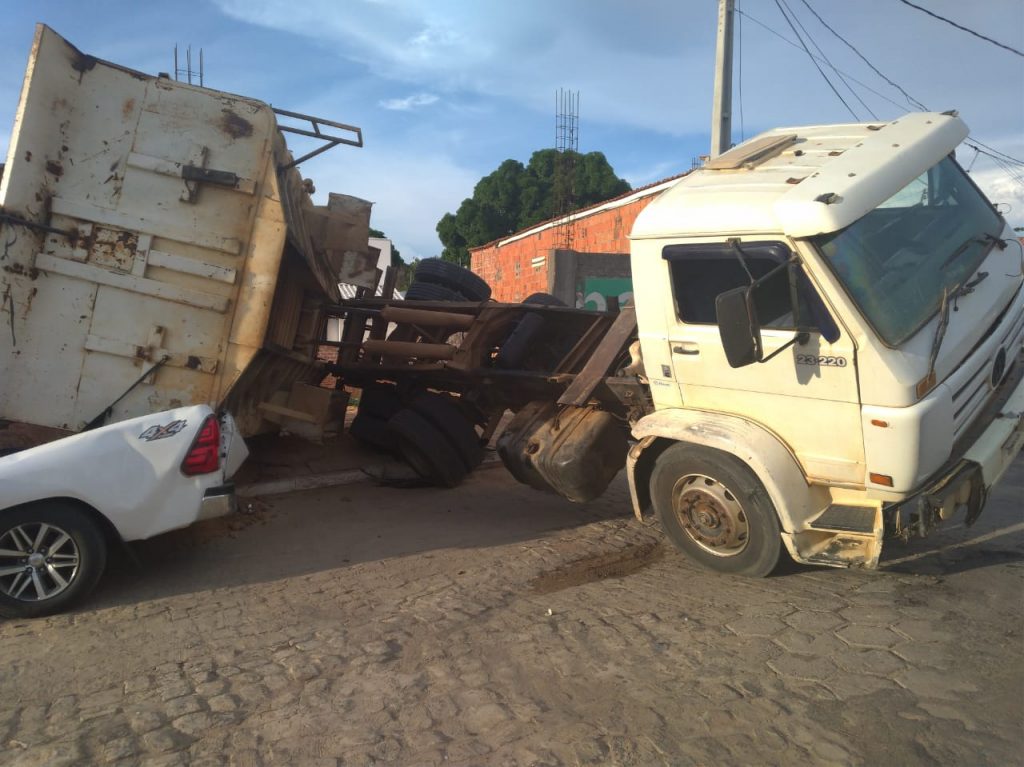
[530,262]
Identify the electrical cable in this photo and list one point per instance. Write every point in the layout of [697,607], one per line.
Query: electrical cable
[815,62]
[828,61]
[973,159]
[910,99]
[846,74]
[963,28]
[1005,161]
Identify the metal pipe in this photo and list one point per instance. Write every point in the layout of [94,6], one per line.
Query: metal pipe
[410,349]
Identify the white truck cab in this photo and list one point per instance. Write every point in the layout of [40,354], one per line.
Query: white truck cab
[831,320]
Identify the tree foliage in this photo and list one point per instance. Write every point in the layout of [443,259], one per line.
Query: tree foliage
[517,196]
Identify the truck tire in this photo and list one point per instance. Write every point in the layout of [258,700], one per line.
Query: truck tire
[59,552]
[520,342]
[444,413]
[716,511]
[543,299]
[381,401]
[428,291]
[440,272]
[372,432]
[426,449]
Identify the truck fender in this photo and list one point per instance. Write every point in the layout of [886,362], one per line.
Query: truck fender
[769,458]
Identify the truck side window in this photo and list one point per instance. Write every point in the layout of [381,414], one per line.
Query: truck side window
[701,272]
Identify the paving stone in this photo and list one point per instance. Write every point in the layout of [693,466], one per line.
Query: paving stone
[934,684]
[756,626]
[869,662]
[434,654]
[809,667]
[927,654]
[187,704]
[868,636]
[811,622]
[166,739]
[794,641]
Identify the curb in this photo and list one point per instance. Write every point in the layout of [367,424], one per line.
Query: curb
[380,472]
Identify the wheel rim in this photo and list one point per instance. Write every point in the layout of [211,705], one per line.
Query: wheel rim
[38,561]
[710,515]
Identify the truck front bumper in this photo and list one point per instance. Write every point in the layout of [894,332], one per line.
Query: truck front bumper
[965,486]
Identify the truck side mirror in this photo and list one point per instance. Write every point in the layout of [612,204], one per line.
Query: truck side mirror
[738,326]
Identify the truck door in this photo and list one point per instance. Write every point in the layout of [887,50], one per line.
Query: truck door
[807,394]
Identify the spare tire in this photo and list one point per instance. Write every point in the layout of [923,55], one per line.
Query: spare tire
[428,291]
[445,414]
[426,449]
[440,272]
[520,342]
[543,299]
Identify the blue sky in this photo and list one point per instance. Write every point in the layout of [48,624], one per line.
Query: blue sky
[444,90]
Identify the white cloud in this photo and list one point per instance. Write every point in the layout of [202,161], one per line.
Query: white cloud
[410,102]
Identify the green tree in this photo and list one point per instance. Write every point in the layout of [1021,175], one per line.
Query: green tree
[515,197]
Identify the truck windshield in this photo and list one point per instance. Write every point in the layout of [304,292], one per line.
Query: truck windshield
[897,260]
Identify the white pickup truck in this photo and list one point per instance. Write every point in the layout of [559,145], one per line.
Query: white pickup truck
[63,503]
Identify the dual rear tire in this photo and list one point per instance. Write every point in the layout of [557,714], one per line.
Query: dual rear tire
[431,432]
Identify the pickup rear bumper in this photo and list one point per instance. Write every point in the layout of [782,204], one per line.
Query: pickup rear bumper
[966,484]
[218,501]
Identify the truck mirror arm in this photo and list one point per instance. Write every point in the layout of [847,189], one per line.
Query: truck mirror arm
[801,337]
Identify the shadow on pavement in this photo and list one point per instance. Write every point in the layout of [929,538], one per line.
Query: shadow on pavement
[335,528]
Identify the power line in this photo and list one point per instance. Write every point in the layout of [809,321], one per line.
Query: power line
[910,99]
[997,156]
[846,74]
[1008,158]
[963,28]
[827,60]
[815,62]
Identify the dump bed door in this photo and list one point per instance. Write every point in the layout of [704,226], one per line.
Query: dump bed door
[152,191]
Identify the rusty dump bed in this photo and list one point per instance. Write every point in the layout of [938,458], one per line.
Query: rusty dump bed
[160,247]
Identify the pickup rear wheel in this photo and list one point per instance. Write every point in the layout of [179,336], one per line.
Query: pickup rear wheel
[51,555]
[715,510]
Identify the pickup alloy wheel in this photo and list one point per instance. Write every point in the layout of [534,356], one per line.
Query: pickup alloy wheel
[51,554]
[715,510]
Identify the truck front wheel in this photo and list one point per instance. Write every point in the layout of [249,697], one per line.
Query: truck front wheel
[715,510]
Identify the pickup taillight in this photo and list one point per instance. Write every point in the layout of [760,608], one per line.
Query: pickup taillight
[204,455]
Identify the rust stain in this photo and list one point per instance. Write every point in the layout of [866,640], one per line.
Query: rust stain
[28,302]
[54,167]
[128,108]
[234,125]
[17,268]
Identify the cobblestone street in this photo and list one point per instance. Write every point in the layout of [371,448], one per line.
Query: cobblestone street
[494,625]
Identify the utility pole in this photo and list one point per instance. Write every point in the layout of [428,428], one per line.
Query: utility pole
[721,109]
